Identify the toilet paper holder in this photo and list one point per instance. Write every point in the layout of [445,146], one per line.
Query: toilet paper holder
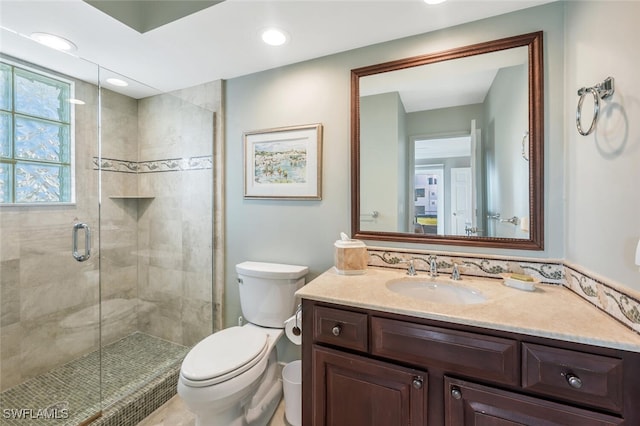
[296,328]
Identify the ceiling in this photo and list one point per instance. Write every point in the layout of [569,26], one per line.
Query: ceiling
[220,41]
[148,15]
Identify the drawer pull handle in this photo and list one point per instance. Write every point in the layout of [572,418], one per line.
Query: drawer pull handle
[574,381]
[336,330]
[417,382]
[456,393]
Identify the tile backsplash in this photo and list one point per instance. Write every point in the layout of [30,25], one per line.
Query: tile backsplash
[549,272]
[615,300]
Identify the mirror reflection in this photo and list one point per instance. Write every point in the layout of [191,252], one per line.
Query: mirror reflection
[445,148]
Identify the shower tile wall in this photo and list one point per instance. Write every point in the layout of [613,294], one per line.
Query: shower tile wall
[157,248]
[118,216]
[175,231]
[41,283]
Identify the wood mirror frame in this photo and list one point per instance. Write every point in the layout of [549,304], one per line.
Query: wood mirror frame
[533,41]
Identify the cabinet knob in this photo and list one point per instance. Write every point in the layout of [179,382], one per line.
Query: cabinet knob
[336,330]
[456,393]
[417,382]
[574,381]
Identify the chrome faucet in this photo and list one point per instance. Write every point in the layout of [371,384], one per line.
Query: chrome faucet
[433,266]
[411,270]
[455,273]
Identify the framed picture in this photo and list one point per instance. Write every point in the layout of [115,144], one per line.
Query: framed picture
[284,163]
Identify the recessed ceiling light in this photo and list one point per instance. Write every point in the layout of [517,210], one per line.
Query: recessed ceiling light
[54,41]
[76,101]
[274,37]
[117,82]
[432,2]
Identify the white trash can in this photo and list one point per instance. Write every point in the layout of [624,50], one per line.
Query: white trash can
[292,387]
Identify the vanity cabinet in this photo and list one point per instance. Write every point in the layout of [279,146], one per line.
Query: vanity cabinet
[366,367]
[354,390]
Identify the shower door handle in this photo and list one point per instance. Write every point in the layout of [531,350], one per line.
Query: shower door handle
[87,242]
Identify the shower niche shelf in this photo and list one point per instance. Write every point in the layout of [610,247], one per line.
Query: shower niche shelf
[132,197]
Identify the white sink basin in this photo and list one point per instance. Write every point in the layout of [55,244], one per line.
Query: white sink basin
[436,290]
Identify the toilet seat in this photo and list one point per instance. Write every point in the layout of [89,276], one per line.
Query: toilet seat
[223,356]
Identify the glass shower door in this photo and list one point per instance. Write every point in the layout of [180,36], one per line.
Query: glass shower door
[106,237]
[49,256]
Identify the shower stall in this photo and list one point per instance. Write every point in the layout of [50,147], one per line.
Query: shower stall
[107,273]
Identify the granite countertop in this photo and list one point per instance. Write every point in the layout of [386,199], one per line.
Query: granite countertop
[550,311]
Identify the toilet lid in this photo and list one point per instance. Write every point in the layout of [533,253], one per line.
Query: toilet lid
[224,355]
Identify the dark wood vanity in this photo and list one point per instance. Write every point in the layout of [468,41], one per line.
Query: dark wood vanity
[367,367]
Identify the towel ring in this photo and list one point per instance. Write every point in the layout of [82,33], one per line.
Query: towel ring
[596,109]
[599,91]
[524,152]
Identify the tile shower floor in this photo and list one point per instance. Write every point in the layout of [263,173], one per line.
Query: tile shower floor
[127,364]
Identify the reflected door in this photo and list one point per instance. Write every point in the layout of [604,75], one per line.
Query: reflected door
[461,200]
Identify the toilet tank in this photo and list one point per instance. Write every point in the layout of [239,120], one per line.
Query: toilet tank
[267,291]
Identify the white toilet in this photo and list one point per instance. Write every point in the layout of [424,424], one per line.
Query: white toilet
[231,378]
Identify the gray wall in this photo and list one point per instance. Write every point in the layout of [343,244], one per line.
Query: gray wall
[381,142]
[302,232]
[294,232]
[603,169]
[507,173]
[444,121]
[404,193]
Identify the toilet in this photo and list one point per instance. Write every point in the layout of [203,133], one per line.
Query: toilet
[231,378]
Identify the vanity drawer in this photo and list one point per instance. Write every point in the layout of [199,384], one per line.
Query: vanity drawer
[341,328]
[469,354]
[580,377]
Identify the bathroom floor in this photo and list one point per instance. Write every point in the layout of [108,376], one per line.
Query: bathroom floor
[76,386]
[175,413]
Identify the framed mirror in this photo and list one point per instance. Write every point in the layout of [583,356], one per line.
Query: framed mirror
[447,148]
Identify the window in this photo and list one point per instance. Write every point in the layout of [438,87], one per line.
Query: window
[35,137]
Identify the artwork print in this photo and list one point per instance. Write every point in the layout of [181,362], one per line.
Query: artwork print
[283,163]
[280,162]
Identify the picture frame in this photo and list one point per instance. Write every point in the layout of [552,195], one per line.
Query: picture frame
[283,163]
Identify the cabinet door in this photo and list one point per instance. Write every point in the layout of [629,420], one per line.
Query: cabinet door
[469,404]
[350,390]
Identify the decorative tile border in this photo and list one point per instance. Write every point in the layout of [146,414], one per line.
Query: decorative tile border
[166,165]
[546,272]
[608,297]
